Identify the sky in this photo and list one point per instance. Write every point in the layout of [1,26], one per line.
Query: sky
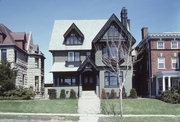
[38,16]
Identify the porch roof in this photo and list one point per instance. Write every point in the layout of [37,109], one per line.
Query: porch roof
[60,67]
[168,73]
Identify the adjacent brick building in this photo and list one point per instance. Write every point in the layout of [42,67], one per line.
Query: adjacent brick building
[157,67]
[18,49]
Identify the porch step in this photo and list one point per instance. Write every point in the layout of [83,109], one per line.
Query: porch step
[89,103]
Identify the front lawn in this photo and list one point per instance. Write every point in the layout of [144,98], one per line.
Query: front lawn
[140,106]
[39,106]
[139,119]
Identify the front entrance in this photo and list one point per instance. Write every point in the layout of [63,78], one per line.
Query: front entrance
[88,81]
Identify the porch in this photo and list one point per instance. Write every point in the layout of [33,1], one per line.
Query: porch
[166,80]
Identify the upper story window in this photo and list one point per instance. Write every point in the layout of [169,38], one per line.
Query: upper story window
[3,55]
[161,62]
[73,56]
[174,44]
[36,62]
[160,44]
[73,40]
[73,36]
[175,62]
[113,31]
[111,79]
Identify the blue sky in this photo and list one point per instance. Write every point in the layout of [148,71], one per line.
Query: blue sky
[38,17]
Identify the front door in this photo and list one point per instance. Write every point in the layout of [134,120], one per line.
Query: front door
[89,81]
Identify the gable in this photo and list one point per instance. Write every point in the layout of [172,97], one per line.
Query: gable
[113,20]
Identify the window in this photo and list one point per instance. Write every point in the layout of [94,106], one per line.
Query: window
[73,56]
[36,83]
[112,31]
[36,63]
[73,40]
[15,55]
[113,52]
[23,79]
[68,81]
[174,44]
[3,55]
[160,85]
[175,62]
[175,83]
[111,79]
[160,44]
[161,63]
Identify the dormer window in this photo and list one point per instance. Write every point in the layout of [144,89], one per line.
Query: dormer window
[73,40]
[73,36]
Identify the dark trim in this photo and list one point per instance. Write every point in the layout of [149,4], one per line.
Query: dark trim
[87,60]
[113,18]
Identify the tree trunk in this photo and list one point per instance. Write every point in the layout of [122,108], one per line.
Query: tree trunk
[120,102]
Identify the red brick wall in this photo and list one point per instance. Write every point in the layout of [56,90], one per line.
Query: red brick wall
[167,52]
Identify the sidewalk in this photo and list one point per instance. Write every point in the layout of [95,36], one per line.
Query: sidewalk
[85,115]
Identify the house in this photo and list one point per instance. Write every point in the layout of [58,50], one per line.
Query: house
[77,64]
[18,49]
[157,67]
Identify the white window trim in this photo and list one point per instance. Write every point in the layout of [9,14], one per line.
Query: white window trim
[177,63]
[158,45]
[177,44]
[164,63]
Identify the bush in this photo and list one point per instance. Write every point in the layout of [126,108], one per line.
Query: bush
[19,93]
[72,94]
[133,93]
[62,95]
[52,93]
[170,96]
[113,94]
[103,94]
[124,94]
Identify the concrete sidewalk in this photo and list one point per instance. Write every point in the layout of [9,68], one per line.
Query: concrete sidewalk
[86,115]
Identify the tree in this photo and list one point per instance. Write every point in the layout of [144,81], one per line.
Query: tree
[116,55]
[7,76]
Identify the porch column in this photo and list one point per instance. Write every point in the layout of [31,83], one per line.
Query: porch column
[163,83]
[169,82]
[157,86]
[80,85]
[97,85]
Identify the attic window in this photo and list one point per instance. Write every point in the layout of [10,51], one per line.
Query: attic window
[73,36]
[73,39]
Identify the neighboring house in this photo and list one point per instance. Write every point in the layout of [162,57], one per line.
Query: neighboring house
[157,68]
[18,49]
[77,64]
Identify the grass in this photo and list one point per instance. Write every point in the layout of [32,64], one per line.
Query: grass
[39,106]
[140,106]
[24,117]
[139,119]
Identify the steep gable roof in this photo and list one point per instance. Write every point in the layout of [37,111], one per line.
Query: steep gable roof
[73,26]
[89,28]
[113,18]
[88,60]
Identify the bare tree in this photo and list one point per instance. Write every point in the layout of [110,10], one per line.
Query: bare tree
[117,58]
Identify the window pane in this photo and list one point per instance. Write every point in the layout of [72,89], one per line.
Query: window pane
[161,62]
[3,55]
[106,81]
[77,56]
[73,81]
[67,81]
[161,44]
[70,56]
[113,81]
[174,44]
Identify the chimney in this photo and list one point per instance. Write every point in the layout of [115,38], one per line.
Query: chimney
[124,18]
[144,31]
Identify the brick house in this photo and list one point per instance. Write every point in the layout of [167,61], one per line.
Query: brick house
[18,49]
[157,67]
[76,62]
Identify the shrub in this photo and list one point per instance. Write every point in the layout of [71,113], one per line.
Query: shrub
[133,93]
[103,94]
[124,94]
[52,93]
[72,94]
[19,93]
[170,96]
[62,95]
[113,94]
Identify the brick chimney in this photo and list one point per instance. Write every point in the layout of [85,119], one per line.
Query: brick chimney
[144,31]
